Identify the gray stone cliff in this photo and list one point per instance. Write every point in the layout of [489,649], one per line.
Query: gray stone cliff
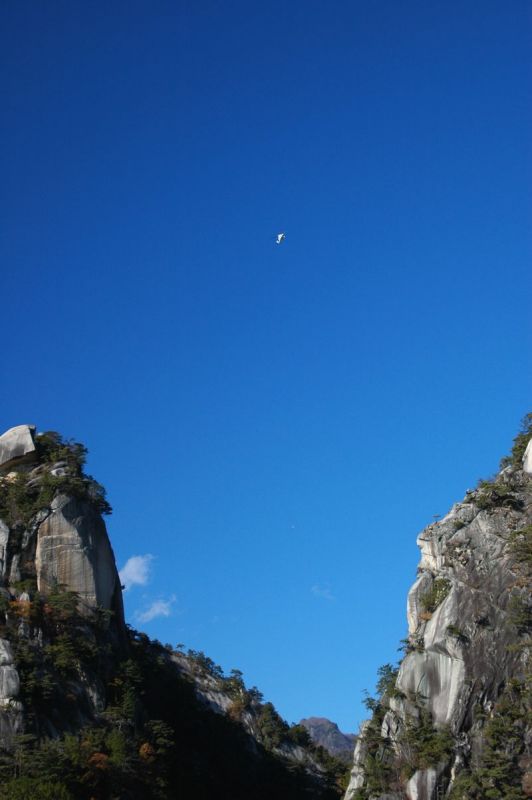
[466,654]
[51,535]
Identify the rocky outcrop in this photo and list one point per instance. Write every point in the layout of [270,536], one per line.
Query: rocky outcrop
[51,529]
[17,447]
[11,719]
[527,459]
[73,550]
[52,539]
[144,721]
[327,734]
[468,617]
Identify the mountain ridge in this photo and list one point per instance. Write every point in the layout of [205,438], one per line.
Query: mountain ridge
[328,735]
[92,709]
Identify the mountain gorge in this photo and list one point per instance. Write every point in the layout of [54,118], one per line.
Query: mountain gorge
[93,709]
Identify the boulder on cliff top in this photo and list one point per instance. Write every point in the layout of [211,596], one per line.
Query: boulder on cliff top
[17,446]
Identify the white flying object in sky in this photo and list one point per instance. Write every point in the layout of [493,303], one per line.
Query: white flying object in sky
[280,238]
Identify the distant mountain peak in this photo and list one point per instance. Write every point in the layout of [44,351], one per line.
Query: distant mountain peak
[328,735]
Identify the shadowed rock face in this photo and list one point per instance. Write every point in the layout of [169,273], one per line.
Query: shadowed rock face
[327,734]
[464,640]
[11,719]
[212,691]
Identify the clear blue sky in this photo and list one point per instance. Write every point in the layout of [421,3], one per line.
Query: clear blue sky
[274,424]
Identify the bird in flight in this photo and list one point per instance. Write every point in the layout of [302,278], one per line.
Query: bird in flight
[280,238]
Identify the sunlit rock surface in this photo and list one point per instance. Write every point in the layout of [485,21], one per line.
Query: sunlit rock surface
[73,550]
[527,460]
[61,543]
[17,446]
[463,646]
[359,758]
[422,785]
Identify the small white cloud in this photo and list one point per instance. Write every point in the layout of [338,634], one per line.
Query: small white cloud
[322,591]
[136,571]
[159,608]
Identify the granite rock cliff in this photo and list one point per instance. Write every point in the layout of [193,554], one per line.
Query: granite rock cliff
[452,720]
[52,540]
[92,709]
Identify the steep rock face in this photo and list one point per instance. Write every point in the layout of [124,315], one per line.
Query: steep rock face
[73,550]
[52,537]
[527,459]
[61,538]
[11,720]
[468,613]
